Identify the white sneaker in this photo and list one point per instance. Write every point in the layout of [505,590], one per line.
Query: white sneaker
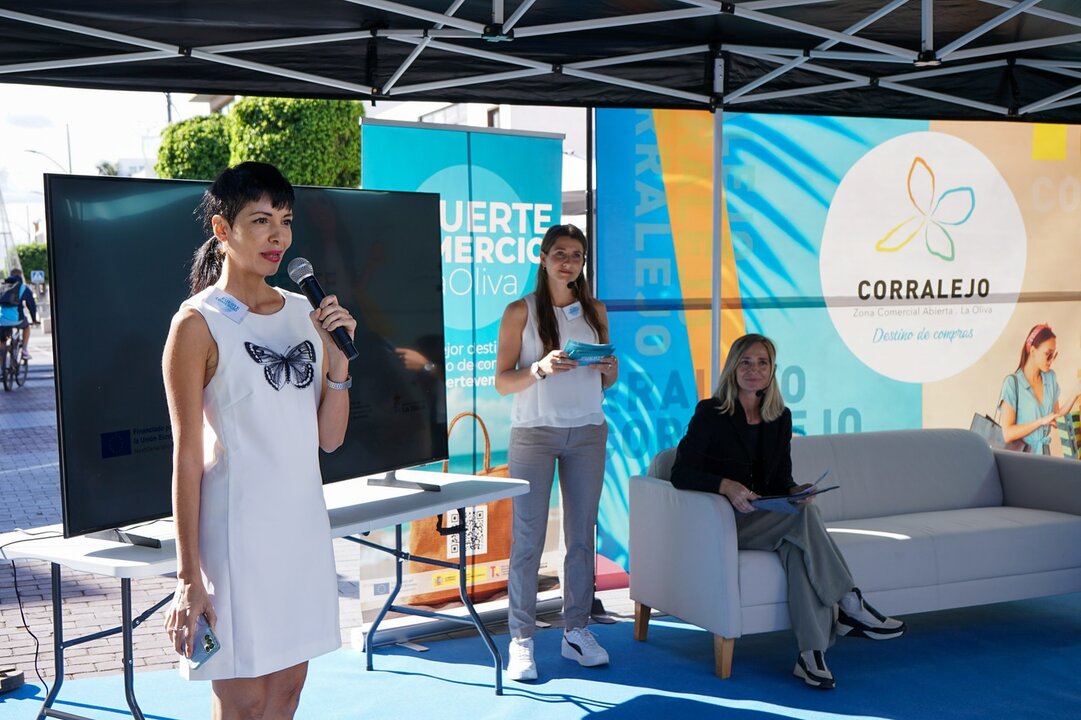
[580,645]
[811,667]
[520,665]
[856,618]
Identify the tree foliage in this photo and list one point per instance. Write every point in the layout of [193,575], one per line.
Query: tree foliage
[194,149]
[313,142]
[33,257]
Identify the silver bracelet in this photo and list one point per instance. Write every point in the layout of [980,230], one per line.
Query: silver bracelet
[340,385]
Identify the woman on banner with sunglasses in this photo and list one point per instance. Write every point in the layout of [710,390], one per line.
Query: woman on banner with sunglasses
[556,418]
[1030,394]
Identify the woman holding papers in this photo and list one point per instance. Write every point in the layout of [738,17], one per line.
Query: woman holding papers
[256,387]
[738,444]
[556,417]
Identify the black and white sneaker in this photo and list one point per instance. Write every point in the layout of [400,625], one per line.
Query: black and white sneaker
[811,666]
[580,645]
[856,618]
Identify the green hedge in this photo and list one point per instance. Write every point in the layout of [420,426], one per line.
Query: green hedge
[313,142]
[194,149]
[31,257]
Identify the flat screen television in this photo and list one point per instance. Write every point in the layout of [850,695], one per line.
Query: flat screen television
[119,253]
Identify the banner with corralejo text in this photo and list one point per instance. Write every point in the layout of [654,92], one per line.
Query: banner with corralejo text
[901,266]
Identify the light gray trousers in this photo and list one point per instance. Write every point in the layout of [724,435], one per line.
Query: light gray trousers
[818,576]
[532,456]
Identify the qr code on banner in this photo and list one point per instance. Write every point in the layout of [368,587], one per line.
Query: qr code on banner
[476,531]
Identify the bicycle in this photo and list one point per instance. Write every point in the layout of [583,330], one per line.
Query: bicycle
[13,366]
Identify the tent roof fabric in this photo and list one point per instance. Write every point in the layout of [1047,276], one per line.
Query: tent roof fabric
[946,59]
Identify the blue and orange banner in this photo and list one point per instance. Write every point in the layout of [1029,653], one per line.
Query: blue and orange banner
[899,266]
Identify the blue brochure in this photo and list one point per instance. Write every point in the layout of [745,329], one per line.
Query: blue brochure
[788,503]
[588,353]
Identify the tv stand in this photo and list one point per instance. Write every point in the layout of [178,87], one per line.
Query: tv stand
[392,480]
[123,536]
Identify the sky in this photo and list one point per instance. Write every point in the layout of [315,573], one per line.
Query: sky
[35,126]
[40,125]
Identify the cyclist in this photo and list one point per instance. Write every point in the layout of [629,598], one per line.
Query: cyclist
[14,295]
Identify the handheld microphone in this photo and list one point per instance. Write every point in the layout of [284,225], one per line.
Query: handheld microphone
[300,270]
[573,287]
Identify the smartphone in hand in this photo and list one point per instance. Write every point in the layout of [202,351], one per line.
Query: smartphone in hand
[205,644]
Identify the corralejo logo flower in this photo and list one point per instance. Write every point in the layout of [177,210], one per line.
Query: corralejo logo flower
[934,213]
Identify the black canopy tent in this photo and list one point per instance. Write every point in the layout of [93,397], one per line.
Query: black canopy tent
[948,59]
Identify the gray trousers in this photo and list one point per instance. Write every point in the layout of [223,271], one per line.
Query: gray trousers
[532,456]
[818,576]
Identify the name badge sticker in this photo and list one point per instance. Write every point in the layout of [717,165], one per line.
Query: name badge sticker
[227,305]
[574,311]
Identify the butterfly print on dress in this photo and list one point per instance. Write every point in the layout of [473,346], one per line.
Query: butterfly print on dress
[295,366]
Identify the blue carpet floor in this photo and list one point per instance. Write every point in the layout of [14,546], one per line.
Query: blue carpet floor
[1011,660]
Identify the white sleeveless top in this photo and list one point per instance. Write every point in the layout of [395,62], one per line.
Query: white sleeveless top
[569,399]
[264,534]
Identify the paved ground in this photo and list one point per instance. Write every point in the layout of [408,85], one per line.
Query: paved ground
[30,497]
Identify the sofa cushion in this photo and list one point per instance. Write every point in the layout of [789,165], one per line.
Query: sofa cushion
[879,556]
[970,544]
[933,549]
[898,472]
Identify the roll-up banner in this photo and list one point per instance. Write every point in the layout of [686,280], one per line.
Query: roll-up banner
[499,191]
[901,267]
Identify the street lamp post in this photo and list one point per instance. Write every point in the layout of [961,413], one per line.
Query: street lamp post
[52,160]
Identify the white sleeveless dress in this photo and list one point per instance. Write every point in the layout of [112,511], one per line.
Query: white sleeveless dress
[264,534]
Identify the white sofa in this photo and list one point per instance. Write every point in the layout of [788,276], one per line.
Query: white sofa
[927,520]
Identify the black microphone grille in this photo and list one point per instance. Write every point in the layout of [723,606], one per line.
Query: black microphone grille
[299,268]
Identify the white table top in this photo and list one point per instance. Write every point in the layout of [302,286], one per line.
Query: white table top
[353,505]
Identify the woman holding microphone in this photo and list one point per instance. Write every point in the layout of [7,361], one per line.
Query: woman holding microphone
[256,387]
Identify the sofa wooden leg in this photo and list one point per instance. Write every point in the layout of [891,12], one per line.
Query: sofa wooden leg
[641,621]
[722,656]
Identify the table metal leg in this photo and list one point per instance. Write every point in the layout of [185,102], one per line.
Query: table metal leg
[463,592]
[369,641]
[127,627]
[462,566]
[129,655]
[58,643]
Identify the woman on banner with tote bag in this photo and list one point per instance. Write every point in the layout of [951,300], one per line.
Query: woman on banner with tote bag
[1030,395]
[556,416]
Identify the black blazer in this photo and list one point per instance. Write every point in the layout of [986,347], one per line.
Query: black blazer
[719,446]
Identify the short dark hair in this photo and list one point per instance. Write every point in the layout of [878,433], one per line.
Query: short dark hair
[234,188]
[17,271]
[242,184]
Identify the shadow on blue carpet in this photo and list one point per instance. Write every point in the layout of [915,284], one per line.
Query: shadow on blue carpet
[1010,660]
